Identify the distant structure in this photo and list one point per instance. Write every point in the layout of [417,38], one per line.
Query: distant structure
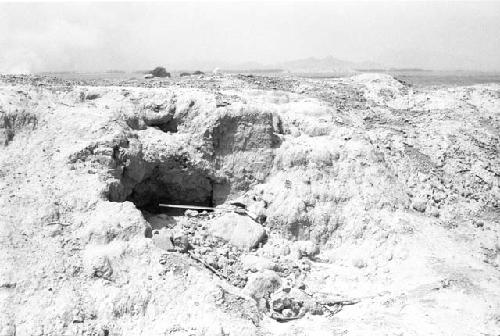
[198,72]
[216,71]
[185,74]
[159,72]
[148,76]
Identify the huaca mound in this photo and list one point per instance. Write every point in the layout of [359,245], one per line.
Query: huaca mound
[350,206]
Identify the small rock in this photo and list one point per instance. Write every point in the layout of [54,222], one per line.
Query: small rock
[278,305]
[261,285]
[438,196]
[294,303]
[55,230]
[163,239]
[240,231]
[98,265]
[7,284]
[255,263]
[359,263]
[306,266]
[77,317]
[92,96]
[181,242]
[211,260]
[240,211]
[223,251]
[285,250]
[419,205]
[433,211]
[191,213]
[306,248]
[8,330]
[314,309]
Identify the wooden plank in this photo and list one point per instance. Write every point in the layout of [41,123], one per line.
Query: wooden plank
[194,207]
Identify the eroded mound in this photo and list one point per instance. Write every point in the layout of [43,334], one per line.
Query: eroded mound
[355,205]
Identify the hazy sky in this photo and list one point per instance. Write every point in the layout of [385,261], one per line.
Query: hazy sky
[99,36]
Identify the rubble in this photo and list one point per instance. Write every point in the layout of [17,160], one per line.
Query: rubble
[306,248]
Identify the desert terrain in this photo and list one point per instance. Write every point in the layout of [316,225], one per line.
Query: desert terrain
[344,206]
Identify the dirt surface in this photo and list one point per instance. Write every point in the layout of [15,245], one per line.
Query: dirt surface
[349,206]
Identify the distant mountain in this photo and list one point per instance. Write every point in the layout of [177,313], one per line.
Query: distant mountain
[209,65]
[440,60]
[327,64]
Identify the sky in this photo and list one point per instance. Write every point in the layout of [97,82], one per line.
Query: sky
[90,36]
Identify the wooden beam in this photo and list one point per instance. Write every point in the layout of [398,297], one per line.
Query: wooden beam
[194,207]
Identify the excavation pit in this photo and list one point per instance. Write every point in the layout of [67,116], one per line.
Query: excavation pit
[175,186]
